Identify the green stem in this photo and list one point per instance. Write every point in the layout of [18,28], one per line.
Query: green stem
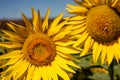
[111,71]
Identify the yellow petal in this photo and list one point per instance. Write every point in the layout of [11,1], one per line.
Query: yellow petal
[66,61]
[103,54]
[88,2]
[85,4]
[94,2]
[12,61]
[31,70]
[64,43]
[55,22]
[12,69]
[22,69]
[116,48]
[45,22]
[10,54]
[28,24]
[76,22]
[19,29]
[11,39]
[78,18]
[63,65]
[62,34]
[63,55]
[79,8]
[97,48]
[48,73]
[78,26]
[81,39]
[13,36]
[55,27]
[109,54]
[52,73]
[67,56]
[114,3]
[44,73]
[37,74]
[67,50]
[37,22]
[87,46]
[78,31]
[60,71]
[10,44]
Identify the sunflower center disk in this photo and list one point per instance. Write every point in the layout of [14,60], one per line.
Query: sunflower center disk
[103,24]
[40,49]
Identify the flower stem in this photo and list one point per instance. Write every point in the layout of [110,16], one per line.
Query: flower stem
[111,71]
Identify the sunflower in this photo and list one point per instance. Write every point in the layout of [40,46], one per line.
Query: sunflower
[97,28]
[41,49]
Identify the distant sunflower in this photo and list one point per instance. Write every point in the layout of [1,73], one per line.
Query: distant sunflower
[41,50]
[97,27]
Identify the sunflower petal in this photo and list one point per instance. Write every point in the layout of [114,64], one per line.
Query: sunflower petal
[60,72]
[13,36]
[109,54]
[48,73]
[10,44]
[117,50]
[12,69]
[114,3]
[45,22]
[87,46]
[64,43]
[12,60]
[18,29]
[78,18]
[67,50]
[103,54]
[10,54]
[36,21]
[38,72]
[28,24]
[78,31]
[31,70]
[62,34]
[81,39]
[63,65]
[88,2]
[52,73]
[44,73]
[21,69]
[76,22]
[56,28]
[63,55]
[94,2]
[97,51]
[78,8]
[79,26]
[69,62]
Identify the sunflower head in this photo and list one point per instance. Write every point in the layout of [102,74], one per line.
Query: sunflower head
[40,49]
[104,27]
[97,27]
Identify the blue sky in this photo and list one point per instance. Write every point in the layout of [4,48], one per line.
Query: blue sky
[11,9]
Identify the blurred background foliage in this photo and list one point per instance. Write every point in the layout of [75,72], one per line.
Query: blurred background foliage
[88,71]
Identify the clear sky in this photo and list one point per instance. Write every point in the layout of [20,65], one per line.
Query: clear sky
[11,9]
